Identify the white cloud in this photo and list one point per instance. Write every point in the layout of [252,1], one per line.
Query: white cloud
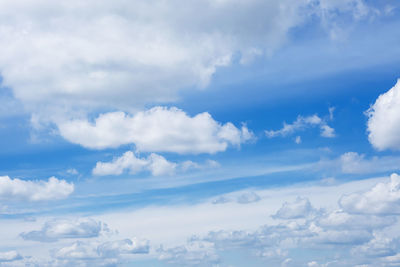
[196,253]
[9,256]
[302,123]
[59,229]
[16,189]
[300,208]
[154,163]
[95,251]
[125,54]
[297,140]
[248,197]
[159,129]
[352,162]
[384,199]
[126,246]
[384,120]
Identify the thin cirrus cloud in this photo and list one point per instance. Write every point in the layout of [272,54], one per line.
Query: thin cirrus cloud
[139,52]
[159,129]
[384,120]
[17,189]
[301,124]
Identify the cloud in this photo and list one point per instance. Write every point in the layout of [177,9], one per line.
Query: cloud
[196,253]
[90,251]
[126,54]
[352,162]
[60,229]
[300,208]
[300,124]
[16,189]
[159,129]
[10,256]
[154,163]
[248,197]
[243,198]
[382,199]
[126,246]
[384,120]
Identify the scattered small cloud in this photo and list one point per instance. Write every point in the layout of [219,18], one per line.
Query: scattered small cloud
[301,124]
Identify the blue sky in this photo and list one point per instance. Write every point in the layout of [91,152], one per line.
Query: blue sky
[209,133]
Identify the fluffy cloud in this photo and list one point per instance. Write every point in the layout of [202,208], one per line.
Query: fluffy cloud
[196,253]
[16,189]
[9,256]
[300,208]
[102,251]
[302,123]
[96,54]
[154,163]
[59,229]
[157,129]
[383,199]
[384,120]
[126,246]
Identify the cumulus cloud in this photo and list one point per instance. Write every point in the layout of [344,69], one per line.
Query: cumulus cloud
[101,251]
[154,163]
[126,246]
[384,199]
[194,253]
[159,129]
[9,256]
[126,54]
[300,208]
[16,189]
[384,120]
[60,229]
[300,124]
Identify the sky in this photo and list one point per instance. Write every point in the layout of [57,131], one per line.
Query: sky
[220,133]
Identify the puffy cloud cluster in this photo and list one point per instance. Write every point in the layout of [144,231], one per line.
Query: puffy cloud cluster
[194,253]
[154,163]
[300,124]
[383,199]
[361,231]
[60,229]
[97,54]
[17,189]
[158,129]
[384,120]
